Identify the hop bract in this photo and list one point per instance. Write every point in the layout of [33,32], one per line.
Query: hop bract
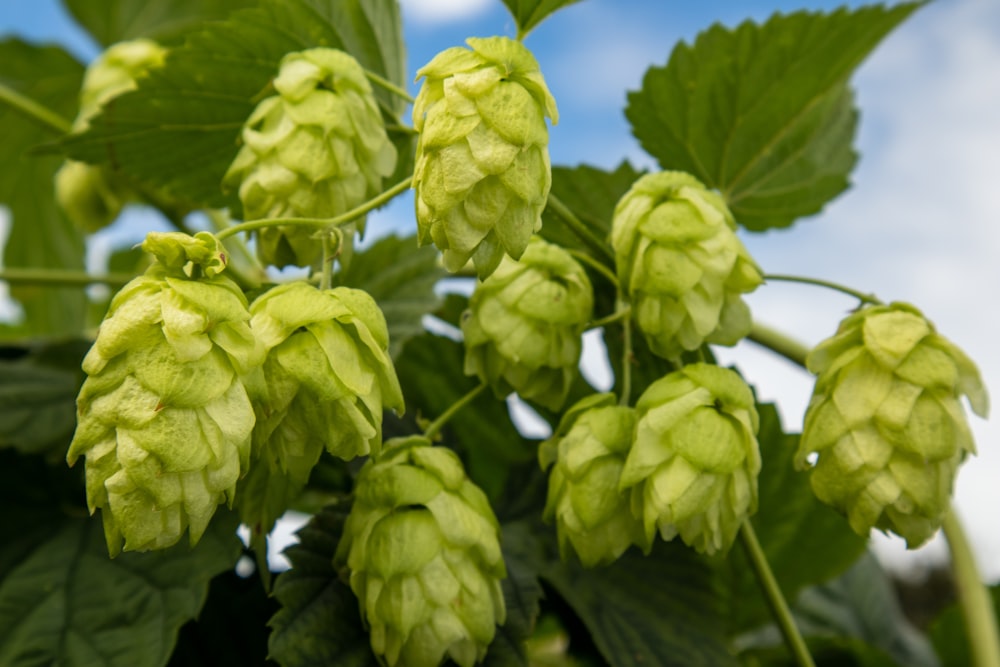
[693,466]
[482,172]
[422,545]
[586,455]
[323,384]
[164,421]
[92,196]
[524,324]
[682,265]
[886,421]
[318,148]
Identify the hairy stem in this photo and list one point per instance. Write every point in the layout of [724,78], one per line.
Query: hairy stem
[62,278]
[973,598]
[577,227]
[33,110]
[861,296]
[435,427]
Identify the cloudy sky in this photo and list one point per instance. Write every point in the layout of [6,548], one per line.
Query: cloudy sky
[921,223]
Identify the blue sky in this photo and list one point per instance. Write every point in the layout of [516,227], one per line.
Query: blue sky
[921,224]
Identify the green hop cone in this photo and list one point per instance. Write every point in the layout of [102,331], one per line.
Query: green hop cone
[323,384]
[163,419]
[586,455]
[317,149]
[524,324]
[482,172]
[694,464]
[682,265]
[422,545]
[886,421]
[91,195]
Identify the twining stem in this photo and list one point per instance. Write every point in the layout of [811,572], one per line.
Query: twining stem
[594,264]
[861,296]
[973,598]
[341,219]
[775,598]
[62,278]
[382,82]
[435,427]
[577,227]
[34,110]
[626,389]
[331,248]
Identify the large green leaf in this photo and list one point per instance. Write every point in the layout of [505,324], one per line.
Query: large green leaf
[64,601]
[529,13]
[179,130]
[763,113]
[40,235]
[165,21]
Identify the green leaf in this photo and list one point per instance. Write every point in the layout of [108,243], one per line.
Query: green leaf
[319,623]
[763,113]
[401,278]
[63,601]
[40,235]
[529,13]
[949,633]
[179,131]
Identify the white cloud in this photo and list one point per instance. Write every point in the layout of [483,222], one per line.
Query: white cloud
[443,11]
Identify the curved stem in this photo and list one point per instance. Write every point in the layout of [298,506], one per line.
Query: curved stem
[973,598]
[626,389]
[779,343]
[331,248]
[385,84]
[35,111]
[775,598]
[577,227]
[594,264]
[861,296]
[435,427]
[62,278]
[611,319]
[341,219]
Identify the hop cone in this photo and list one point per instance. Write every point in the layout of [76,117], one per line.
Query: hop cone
[316,149]
[422,545]
[588,451]
[682,265]
[887,422]
[523,326]
[92,196]
[323,385]
[164,421]
[482,172]
[694,463]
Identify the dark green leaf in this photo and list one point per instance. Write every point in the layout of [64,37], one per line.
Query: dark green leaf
[40,235]
[950,635]
[179,131]
[763,113]
[401,278]
[529,13]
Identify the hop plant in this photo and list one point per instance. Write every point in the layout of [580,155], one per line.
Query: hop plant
[693,466]
[92,196]
[318,148]
[163,419]
[886,421]
[422,545]
[524,324]
[482,172]
[323,384]
[682,265]
[586,455]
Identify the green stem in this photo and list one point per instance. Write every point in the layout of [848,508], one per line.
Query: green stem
[62,278]
[626,389]
[341,219]
[775,598]
[777,342]
[594,264]
[973,598]
[611,319]
[861,296]
[384,83]
[435,427]
[577,227]
[34,110]
[330,252]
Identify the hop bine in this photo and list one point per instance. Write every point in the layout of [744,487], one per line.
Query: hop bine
[886,422]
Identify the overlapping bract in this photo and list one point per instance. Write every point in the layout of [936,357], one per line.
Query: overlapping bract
[693,467]
[318,148]
[524,324]
[586,455]
[422,545]
[164,421]
[323,384]
[681,264]
[887,422]
[92,196]
[482,172]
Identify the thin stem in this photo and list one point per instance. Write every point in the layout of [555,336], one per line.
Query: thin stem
[384,83]
[577,227]
[594,264]
[341,219]
[611,319]
[777,342]
[437,424]
[775,598]
[861,296]
[34,110]
[626,390]
[973,598]
[62,278]
[237,248]
[331,249]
